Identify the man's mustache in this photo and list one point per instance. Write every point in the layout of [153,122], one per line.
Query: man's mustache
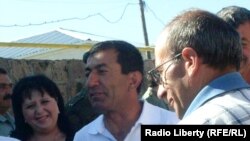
[7,97]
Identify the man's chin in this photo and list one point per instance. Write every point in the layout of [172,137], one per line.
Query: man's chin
[98,106]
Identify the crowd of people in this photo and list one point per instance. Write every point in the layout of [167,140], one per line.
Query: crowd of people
[201,76]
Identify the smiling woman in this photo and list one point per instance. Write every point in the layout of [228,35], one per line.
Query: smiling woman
[39,111]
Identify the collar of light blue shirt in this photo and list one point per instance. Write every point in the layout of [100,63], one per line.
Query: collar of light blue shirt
[218,86]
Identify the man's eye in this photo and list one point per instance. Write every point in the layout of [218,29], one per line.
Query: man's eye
[102,71]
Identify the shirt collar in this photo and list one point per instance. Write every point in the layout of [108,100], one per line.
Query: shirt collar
[225,83]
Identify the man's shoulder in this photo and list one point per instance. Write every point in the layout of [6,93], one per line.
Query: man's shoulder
[152,107]
[163,115]
[93,131]
[230,108]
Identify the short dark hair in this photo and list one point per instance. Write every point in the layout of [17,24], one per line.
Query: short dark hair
[22,90]
[129,57]
[234,15]
[85,57]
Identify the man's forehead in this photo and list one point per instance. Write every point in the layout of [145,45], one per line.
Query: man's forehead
[101,59]
[104,54]
[95,62]
[162,41]
[161,46]
[97,55]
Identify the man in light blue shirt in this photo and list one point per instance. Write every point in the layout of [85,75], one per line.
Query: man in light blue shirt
[198,56]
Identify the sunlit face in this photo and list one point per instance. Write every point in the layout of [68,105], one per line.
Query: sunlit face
[244,31]
[5,92]
[40,112]
[107,86]
[172,91]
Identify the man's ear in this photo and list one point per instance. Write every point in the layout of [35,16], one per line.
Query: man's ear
[191,60]
[135,79]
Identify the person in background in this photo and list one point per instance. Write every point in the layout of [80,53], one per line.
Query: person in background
[79,109]
[38,108]
[197,59]
[151,94]
[239,18]
[6,119]
[114,72]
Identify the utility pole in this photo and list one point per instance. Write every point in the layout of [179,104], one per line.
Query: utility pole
[142,3]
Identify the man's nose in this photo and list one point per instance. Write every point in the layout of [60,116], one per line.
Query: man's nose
[92,80]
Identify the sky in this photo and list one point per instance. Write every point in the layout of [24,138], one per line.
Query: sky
[103,19]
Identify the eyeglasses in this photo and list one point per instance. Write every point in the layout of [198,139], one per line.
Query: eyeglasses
[156,75]
[5,85]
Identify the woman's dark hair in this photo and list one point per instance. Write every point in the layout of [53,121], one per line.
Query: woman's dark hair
[22,90]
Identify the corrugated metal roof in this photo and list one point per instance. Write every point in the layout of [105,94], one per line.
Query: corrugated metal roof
[53,37]
[19,53]
[55,45]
